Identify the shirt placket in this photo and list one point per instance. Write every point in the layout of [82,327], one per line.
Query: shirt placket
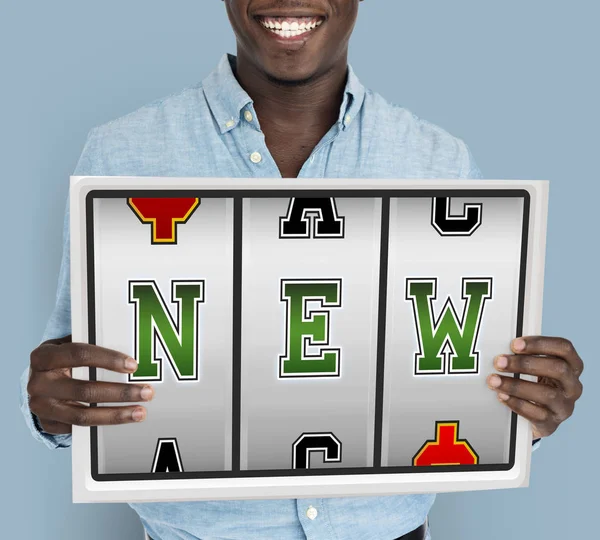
[259,161]
[314,519]
[314,167]
[258,158]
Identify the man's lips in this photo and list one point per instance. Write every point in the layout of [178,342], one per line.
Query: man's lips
[290,27]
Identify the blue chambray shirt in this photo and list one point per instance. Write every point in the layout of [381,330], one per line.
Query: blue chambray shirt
[203,131]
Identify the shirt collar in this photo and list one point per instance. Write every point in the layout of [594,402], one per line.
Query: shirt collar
[227,99]
[354,95]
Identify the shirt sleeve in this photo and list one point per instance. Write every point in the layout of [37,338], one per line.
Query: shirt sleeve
[59,324]
[469,169]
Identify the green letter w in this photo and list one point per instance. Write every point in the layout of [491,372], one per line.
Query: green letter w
[153,321]
[447,345]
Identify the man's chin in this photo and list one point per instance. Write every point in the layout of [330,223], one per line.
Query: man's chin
[291,74]
[290,79]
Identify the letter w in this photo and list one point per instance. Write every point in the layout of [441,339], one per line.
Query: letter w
[447,345]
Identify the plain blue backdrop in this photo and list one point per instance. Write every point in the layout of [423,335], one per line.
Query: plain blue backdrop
[517,80]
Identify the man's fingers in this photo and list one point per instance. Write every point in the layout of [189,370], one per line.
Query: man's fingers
[531,365]
[82,415]
[53,427]
[89,391]
[549,346]
[550,397]
[539,416]
[49,356]
[530,391]
[542,366]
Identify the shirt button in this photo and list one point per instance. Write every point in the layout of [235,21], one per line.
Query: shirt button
[229,123]
[248,116]
[347,119]
[255,157]
[311,513]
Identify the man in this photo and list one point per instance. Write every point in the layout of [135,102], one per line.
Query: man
[288,105]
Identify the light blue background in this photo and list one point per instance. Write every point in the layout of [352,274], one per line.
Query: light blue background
[517,80]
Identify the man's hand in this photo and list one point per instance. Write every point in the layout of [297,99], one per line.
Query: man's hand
[549,401]
[59,401]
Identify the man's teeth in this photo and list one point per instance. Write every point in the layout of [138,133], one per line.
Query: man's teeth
[290,28]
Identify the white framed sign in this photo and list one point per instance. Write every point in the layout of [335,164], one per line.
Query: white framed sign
[322,337]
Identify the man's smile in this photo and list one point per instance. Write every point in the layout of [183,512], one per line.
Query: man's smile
[290,28]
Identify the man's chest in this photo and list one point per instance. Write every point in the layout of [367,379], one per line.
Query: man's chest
[201,151]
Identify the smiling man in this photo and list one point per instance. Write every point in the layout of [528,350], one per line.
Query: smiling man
[288,105]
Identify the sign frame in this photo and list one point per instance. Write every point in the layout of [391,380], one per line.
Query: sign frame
[89,487]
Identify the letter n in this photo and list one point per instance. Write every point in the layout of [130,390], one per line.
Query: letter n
[153,321]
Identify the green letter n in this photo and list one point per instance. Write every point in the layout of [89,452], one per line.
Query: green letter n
[153,320]
[309,327]
[447,345]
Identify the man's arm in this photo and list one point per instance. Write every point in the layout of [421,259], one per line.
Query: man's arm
[58,325]
[51,401]
[471,171]
[555,363]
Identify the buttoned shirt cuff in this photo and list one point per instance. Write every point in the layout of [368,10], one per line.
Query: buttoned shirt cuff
[51,441]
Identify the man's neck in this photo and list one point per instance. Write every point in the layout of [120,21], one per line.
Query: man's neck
[313,104]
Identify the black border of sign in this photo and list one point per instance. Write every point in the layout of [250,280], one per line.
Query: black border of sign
[238,195]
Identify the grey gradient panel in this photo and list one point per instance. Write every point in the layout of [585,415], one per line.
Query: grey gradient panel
[196,413]
[413,403]
[275,412]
